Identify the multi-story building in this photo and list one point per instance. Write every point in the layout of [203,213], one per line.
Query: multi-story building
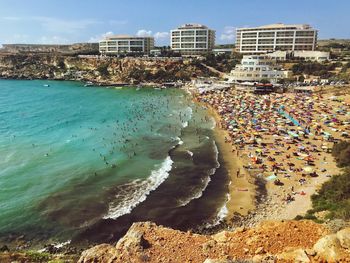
[256,68]
[120,44]
[258,40]
[192,40]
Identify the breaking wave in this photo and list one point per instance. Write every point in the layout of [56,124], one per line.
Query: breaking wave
[133,193]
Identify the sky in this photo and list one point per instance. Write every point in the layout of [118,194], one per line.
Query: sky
[72,21]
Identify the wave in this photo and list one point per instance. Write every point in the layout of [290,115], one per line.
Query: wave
[221,215]
[216,151]
[180,142]
[190,153]
[135,192]
[213,123]
[205,180]
[198,194]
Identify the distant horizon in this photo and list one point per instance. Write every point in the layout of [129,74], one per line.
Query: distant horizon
[68,22]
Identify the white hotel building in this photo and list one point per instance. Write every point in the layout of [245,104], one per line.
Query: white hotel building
[119,44]
[258,40]
[255,68]
[192,39]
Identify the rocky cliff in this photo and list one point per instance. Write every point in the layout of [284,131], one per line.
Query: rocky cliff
[283,241]
[99,70]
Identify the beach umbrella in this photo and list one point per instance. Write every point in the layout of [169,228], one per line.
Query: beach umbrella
[308,169]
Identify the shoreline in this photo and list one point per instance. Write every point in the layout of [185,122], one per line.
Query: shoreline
[266,200]
[242,188]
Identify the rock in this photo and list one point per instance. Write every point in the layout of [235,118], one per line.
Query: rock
[328,248]
[221,237]
[297,255]
[264,259]
[103,253]
[4,248]
[206,247]
[259,250]
[344,237]
[133,239]
[208,260]
[310,252]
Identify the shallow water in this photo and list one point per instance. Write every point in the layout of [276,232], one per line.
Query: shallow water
[83,163]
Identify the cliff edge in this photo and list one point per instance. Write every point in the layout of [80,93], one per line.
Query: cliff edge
[271,241]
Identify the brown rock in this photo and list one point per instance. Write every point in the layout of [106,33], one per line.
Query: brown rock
[328,248]
[297,256]
[344,237]
[103,253]
[259,250]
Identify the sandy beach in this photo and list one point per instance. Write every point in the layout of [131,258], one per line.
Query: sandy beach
[283,139]
[242,187]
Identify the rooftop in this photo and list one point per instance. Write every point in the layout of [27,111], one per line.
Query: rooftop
[280,25]
[123,36]
[192,26]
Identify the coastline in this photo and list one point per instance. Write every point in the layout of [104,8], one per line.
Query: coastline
[242,189]
[264,200]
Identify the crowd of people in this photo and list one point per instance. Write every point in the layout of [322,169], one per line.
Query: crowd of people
[283,138]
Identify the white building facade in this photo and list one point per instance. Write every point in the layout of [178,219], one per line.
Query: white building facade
[258,40]
[124,44]
[192,39]
[255,68]
[318,56]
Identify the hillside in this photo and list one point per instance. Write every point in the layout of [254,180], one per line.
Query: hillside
[283,241]
[100,70]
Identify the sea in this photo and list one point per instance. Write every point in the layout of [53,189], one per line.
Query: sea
[81,164]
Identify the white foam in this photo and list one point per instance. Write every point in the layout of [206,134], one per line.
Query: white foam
[138,191]
[205,181]
[189,153]
[57,246]
[180,142]
[216,154]
[213,123]
[223,212]
[198,194]
[221,215]
[185,124]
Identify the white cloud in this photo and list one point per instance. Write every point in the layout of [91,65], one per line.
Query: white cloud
[229,33]
[97,38]
[161,35]
[144,33]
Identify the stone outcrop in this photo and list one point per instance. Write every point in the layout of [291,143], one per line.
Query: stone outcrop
[273,241]
[99,70]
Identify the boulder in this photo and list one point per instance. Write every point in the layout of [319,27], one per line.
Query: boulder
[221,237]
[4,248]
[134,239]
[298,256]
[328,248]
[344,237]
[103,253]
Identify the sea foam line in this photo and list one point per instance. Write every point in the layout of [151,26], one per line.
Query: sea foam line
[139,190]
[205,180]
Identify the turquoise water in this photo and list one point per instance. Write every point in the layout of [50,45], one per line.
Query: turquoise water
[74,158]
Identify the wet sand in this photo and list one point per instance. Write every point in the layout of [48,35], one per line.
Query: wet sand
[241,188]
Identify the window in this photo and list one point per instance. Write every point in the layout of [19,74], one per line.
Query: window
[187,33]
[123,42]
